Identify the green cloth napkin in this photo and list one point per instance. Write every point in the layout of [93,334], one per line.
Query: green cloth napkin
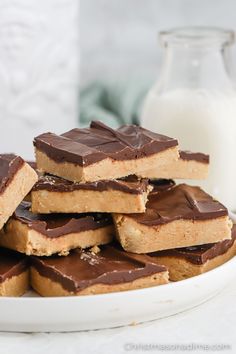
[114,103]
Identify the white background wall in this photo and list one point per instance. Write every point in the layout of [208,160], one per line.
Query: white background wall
[119,37]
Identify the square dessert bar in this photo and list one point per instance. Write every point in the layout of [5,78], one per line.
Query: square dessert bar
[190,165]
[40,235]
[16,180]
[14,273]
[85,272]
[56,195]
[187,262]
[101,153]
[179,216]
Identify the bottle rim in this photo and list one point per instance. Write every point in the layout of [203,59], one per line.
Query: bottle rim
[197,36]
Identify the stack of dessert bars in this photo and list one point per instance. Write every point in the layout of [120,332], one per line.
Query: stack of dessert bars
[104,214]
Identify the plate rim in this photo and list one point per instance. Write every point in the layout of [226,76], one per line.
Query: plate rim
[118,294]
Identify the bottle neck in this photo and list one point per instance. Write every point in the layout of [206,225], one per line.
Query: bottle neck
[194,68]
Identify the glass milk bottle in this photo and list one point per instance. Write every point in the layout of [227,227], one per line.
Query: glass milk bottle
[194,100]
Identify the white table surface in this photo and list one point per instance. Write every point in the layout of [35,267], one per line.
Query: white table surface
[212,323]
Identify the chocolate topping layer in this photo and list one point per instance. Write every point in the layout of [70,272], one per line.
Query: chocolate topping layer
[90,145]
[82,269]
[56,225]
[179,202]
[161,184]
[57,184]
[11,264]
[9,165]
[200,254]
[197,156]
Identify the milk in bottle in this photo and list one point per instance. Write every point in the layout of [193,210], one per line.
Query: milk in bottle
[195,101]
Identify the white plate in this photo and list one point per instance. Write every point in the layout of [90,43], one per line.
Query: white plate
[34,314]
